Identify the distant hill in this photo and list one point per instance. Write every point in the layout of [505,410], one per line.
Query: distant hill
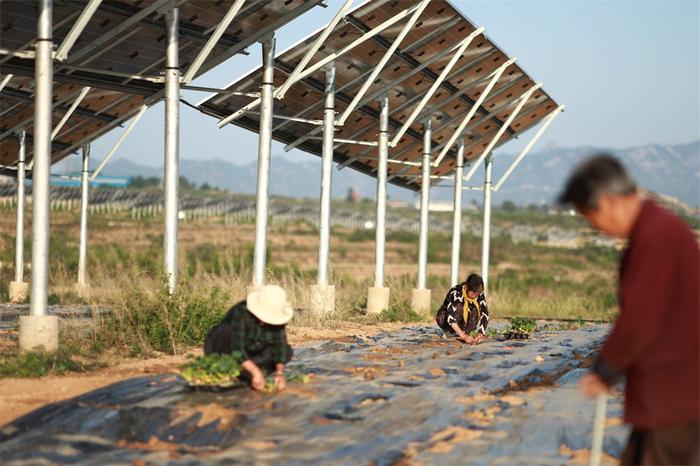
[672,170]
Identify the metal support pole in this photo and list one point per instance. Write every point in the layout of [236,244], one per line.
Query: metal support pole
[172,117]
[42,159]
[424,207]
[380,235]
[39,329]
[486,234]
[82,251]
[457,216]
[264,148]
[19,239]
[378,295]
[326,174]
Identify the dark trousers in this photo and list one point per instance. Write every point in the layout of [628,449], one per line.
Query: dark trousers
[673,445]
[219,341]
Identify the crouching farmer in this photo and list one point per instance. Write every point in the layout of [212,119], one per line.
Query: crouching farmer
[464,311]
[255,328]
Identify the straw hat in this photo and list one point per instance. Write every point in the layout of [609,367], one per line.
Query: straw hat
[270,305]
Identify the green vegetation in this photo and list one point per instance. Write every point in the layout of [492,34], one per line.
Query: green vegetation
[125,272]
[141,182]
[41,363]
[221,370]
[400,314]
[521,325]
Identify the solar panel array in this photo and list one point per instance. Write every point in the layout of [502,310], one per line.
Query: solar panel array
[120,55]
[412,69]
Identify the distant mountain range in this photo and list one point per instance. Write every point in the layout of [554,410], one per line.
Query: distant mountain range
[672,170]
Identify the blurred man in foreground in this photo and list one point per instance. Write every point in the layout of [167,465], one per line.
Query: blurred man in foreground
[654,342]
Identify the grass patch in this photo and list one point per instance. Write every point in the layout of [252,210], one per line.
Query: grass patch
[41,363]
[400,314]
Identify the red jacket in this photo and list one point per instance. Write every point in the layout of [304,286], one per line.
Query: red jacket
[654,341]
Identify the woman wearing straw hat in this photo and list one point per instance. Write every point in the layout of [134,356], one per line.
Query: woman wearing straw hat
[255,328]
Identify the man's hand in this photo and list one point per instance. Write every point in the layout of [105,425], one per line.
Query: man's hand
[592,385]
[258,381]
[257,378]
[280,382]
[480,338]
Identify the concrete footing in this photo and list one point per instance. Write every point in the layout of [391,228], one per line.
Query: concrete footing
[420,300]
[83,289]
[38,331]
[322,299]
[18,291]
[377,299]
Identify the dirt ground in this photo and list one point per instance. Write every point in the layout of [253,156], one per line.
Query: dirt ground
[19,396]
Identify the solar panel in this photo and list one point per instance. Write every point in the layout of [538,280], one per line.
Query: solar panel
[120,55]
[410,72]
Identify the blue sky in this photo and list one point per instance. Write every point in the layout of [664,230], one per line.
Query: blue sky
[627,71]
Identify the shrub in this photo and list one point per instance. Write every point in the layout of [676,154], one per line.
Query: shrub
[41,363]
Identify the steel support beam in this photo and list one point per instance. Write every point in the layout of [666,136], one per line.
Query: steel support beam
[118,142]
[213,40]
[172,140]
[77,29]
[312,50]
[523,100]
[326,177]
[264,149]
[472,111]
[70,111]
[19,238]
[486,233]
[384,60]
[413,99]
[5,80]
[548,120]
[312,69]
[380,233]
[409,73]
[457,216]
[82,250]
[118,31]
[437,83]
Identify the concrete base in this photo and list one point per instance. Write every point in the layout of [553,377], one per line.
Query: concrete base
[377,300]
[18,291]
[83,289]
[322,299]
[38,331]
[420,301]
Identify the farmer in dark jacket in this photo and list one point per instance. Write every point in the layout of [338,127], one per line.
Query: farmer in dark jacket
[255,328]
[464,311]
[654,343]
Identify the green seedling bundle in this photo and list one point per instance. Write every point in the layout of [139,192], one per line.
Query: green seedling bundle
[219,370]
[519,328]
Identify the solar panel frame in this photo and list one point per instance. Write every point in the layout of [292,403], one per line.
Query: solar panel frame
[125,74]
[440,27]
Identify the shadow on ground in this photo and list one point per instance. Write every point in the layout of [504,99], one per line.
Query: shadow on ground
[409,397]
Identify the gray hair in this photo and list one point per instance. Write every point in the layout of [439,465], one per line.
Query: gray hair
[597,175]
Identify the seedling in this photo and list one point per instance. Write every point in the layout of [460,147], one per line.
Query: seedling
[520,328]
[213,370]
[216,371]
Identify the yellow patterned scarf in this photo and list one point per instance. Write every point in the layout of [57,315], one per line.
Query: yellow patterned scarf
[466,308]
